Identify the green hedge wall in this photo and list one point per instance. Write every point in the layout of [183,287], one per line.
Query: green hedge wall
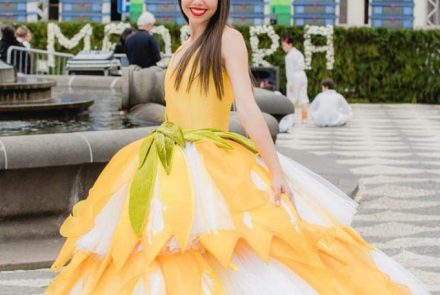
[371,65]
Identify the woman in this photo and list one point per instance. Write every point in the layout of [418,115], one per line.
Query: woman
[193,209]
[20,59]
[295,75]
[120,47]
[24,35]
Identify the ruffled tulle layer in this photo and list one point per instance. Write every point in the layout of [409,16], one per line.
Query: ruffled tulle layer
[213,228]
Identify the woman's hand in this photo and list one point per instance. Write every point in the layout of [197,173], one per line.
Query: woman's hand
[279,186]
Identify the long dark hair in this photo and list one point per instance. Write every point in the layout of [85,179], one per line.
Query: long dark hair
[127,32]
[208,57]
[8,33]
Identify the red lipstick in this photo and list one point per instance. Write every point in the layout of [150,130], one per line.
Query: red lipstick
[196,11]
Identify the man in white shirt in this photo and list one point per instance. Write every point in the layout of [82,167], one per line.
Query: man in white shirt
[295,75]
[329,108]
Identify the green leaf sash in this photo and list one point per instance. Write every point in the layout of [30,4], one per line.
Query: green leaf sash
[159,146]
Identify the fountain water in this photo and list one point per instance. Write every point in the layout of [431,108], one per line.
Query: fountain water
[33,96]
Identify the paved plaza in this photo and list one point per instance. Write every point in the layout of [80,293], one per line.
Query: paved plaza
[394,150]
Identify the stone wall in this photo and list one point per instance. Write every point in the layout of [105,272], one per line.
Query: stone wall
[43,176]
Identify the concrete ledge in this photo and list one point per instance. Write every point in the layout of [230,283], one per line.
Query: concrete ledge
[104,144]
[32,228]
[84,81]
[58,169]
[45,175]
[29,249]
[50,150]
[34,254]
[46,191]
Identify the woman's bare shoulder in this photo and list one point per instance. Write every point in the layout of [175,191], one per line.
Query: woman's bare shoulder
[231,36]
[233,42]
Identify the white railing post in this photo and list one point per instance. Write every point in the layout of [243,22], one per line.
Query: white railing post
[36,61]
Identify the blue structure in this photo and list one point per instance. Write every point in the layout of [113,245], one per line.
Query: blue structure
[249,12]
[123,6]
[392,13]
[18,10]
[244,12]
[78,10]
[382,13]
[165,11]
[315,12]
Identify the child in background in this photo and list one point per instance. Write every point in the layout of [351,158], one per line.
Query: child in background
[330,108]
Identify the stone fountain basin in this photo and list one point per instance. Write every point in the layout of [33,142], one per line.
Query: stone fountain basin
[28,84]
[33,95]
[26,90]
[65,104]
[59,169]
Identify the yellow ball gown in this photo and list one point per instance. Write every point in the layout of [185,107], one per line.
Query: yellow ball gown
[209,225]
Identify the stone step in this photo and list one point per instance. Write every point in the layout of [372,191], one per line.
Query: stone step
[31,228]
[29,254]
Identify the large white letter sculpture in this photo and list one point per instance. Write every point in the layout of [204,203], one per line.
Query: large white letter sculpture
[110,29]
[309,48]
[258,54]
[53,31]
[166,37]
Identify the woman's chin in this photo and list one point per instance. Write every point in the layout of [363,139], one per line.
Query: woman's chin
[198,21]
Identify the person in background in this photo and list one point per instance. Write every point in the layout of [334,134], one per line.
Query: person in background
[120,47]
[329,108]
[295,75]
[8,40]
[142,48]
[24,35]
[21,60]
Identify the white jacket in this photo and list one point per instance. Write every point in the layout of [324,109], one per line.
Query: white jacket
[330,108]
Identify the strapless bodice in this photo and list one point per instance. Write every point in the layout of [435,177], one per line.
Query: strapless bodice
[194,109]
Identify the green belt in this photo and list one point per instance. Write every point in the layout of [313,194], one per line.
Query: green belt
[159,145]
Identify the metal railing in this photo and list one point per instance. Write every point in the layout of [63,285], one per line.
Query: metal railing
[122,58]
[42,62]
[36,61]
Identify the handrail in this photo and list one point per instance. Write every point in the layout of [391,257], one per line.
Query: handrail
[37,61]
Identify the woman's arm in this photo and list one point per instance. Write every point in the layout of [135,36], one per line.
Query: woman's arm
[235,56]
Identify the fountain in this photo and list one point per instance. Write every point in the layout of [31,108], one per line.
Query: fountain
[61,160]
[33,96]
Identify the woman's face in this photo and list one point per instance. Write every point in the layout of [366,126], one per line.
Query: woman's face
[286,46]
[28,37]
[199,11]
